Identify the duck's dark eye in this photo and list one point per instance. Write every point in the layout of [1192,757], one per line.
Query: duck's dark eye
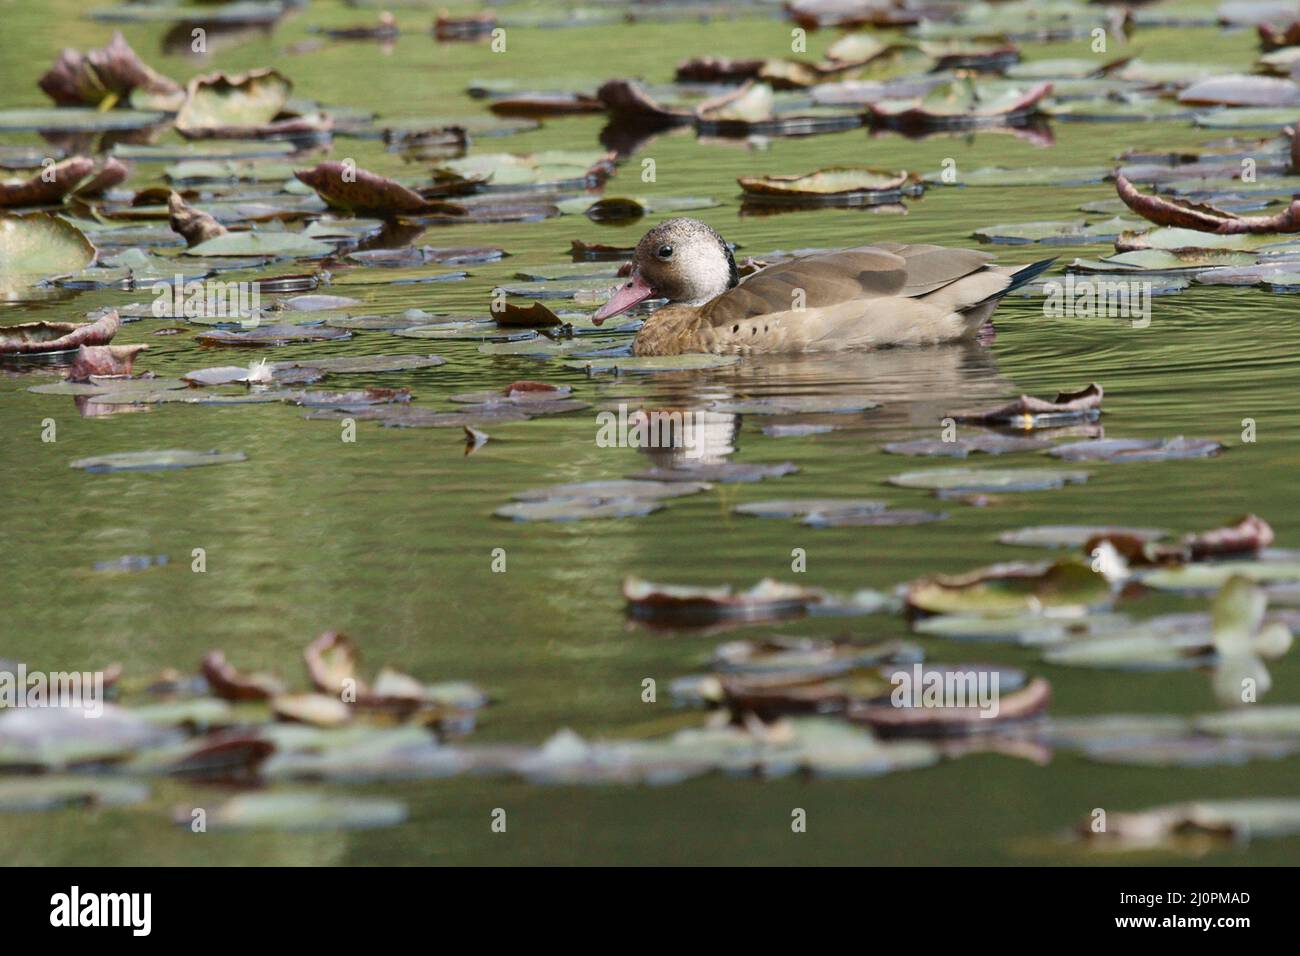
[665,252]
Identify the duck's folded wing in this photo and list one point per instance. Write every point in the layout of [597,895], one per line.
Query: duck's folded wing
[886,270]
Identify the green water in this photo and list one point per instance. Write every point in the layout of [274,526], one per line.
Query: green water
[389,539]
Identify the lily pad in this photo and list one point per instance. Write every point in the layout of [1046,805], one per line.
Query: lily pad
[300,811]
[973,481]
[38,245]
[1136,449]
[962,447]
[156,460]
[290,244]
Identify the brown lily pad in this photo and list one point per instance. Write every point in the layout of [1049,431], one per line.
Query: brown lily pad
[229,683]
[32,338]
[103,361]
[193,225]
[106,74]
[532,316]
[680,604]
[1185,214]
[48,187]
[348,187]
[1028,412]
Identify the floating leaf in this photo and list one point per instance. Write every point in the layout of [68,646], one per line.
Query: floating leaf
[972,481]
[800,507]
[273,335]
[1028,412]
[38,245]
[291,244]
[1074,536]
[33,338]
[962,447]
[1011,589]
[1137,449]
[25,794]
[300,811]
[156,460]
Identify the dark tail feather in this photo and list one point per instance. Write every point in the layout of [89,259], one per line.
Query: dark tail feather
[1023,277]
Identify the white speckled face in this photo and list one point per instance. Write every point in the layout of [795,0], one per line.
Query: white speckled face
[685,261]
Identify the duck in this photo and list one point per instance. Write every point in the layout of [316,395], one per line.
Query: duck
[867,297]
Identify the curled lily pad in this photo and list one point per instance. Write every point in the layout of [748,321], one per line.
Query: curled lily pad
[837,185]
[1189,215]
[361,191]
[1192,824]
[1137,449]
[1027,702]
[224,102]
[107,74]
[156,460]
[1011,589]
[31,338]
[961,105]
[229,683]
[49,186]
[674,604]
[1029,412]
[970,480]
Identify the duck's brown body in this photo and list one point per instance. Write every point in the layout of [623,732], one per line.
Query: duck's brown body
[867,297]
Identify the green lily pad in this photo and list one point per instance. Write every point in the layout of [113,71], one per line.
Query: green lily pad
[980,481]
[77,120]
[1001,591]
[25,794]
[299,811]
[156,460]
[1073,232]
[38,245]
[1208,576]
[290,244]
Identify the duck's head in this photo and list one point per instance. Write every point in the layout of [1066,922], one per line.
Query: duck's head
[681,260]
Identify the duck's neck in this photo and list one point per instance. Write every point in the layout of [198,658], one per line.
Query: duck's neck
[671,330]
